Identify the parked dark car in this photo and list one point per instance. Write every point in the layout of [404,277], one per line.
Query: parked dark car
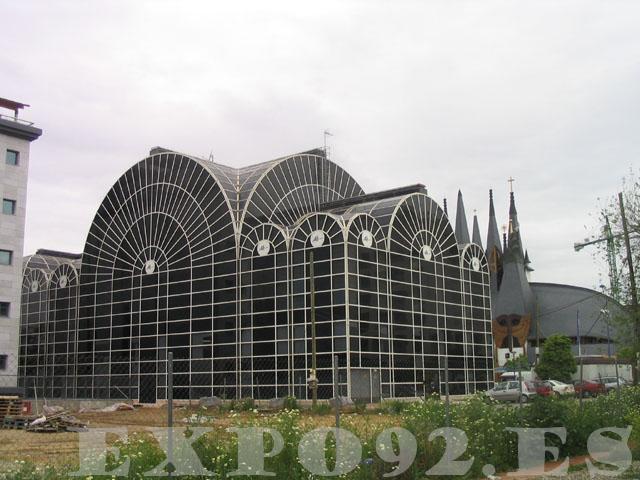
[589,388]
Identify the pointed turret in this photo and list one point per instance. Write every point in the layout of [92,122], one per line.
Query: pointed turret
[493,234]
[514,250]
[515,298]
[444,205]
[476,238]
[462,228]
[527,262]
[494,249]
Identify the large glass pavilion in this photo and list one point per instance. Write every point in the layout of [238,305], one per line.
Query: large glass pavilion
[213,264]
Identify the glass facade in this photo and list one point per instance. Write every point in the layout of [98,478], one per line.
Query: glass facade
[215,265]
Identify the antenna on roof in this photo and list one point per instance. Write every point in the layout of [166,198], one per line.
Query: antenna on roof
[326,134]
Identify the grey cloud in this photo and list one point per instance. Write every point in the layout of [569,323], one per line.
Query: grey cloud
[450,94]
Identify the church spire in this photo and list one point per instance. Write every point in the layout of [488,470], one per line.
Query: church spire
[493,234]
[514,240]
[527,262]
[476,238]
[444,204]
[462,228]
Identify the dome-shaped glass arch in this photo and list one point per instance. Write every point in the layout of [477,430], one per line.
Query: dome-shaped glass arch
[158,266]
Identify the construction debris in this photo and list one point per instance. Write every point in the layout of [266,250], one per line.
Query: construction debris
[52,409]
[210,402]
[58,422]
[199,419]
[116,407]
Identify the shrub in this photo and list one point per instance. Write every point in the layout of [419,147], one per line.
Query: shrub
[246,404]
[394,407]
[290,403]
[322,409]
[360,406]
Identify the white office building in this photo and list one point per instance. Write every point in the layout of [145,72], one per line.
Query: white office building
[16,136]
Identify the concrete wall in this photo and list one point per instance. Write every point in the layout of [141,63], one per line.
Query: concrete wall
[593,372]
[13,185]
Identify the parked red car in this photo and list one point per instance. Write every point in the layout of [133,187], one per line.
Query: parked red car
[590,388]
[543,389]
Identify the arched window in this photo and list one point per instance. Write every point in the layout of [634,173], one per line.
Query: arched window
[159,275]
[323,235]
[476,299]
[33,329]
[61,331]
[425,299]
[264,316]
[284,190]
[370,359]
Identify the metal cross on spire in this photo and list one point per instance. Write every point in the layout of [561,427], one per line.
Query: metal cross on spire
[511,180]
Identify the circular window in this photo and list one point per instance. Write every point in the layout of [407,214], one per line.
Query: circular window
[317,238]
[263,247]
[427,252]
[63,281]
[367,238]
[150,266]
[475,263]
[34,286]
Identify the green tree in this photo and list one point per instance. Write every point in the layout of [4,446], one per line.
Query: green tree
[626,327]
[557,361]
[610,210]
[517,363]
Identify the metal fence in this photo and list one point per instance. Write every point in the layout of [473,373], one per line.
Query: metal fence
[37,426]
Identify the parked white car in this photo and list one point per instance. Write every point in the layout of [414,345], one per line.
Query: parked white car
[611,383]
[560,388]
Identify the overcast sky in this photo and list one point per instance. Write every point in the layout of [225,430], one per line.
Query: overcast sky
[452,94]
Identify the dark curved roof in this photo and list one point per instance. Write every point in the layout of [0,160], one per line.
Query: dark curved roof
[559,306]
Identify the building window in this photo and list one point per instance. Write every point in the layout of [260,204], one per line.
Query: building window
[4,309]
[3,362]
[8,206]
[12,157]
[6,257]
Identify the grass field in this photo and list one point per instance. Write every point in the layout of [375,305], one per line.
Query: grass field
[62,448]
[486,425]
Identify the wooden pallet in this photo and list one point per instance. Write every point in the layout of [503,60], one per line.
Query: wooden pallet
[17,422]
[11,407]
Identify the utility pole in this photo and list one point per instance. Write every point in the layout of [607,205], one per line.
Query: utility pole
[538,351]
[580,357]
[313,377]
[632,280]
[612,251]
[606,314]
